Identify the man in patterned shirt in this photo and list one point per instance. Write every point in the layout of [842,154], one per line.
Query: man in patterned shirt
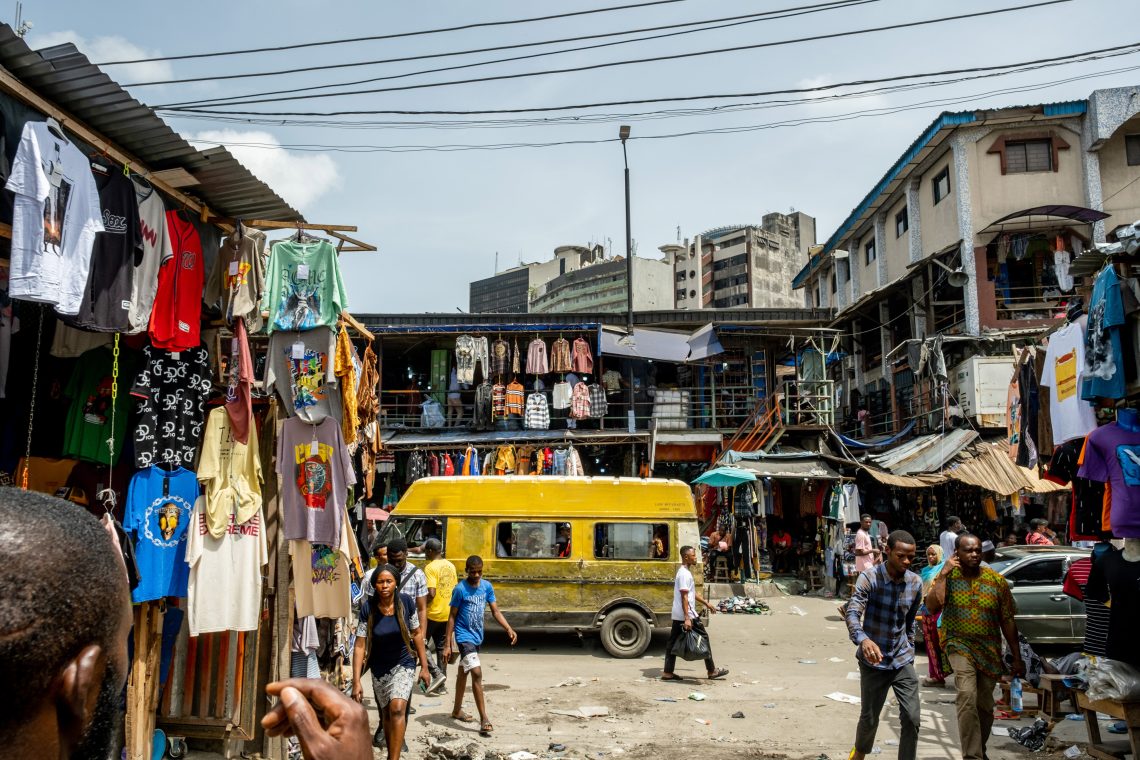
[880,620]
[977,609]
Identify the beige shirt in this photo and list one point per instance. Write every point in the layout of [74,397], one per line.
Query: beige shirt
[230,473]
[321,576]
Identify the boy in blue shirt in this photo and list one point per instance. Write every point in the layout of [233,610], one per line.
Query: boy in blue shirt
[469,600]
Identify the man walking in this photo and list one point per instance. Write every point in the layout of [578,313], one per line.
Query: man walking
[866,553]
[880,620]
[414,584]
[976,604]
[441,580]
[949,536]
[1039,533]
[685,617]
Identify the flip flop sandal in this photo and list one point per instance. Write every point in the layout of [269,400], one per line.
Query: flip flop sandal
[463,717]
[719,674]
[1007,715]
[486,729]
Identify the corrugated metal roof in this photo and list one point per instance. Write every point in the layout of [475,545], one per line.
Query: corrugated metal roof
[66,77]
[925,454]
[991,469]
[791,469]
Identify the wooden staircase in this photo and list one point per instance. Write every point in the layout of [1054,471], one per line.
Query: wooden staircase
[760,431]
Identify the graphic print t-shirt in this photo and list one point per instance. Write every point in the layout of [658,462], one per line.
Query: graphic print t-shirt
[232,562]
[155,250]
[1112,455]
[56,216]
[303,286]
[301,368]
[237,278]
[322,576]
[1104,362]
[471,601]
[106,305]
[1072,417]
[171,390]
[441,576]
[175,321]
[316,471]
[158,512]
[89,418]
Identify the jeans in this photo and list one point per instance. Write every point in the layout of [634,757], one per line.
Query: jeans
[873,686]
[675,633]
[975,706]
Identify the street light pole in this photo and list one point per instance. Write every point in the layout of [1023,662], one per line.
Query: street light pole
[623,133]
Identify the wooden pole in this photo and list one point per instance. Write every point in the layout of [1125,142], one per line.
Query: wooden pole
[142,688]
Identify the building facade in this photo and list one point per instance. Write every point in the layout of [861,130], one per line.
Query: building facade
[600,287]
[511,291]
[742,265]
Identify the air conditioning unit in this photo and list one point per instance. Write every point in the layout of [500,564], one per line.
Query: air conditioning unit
[981,385]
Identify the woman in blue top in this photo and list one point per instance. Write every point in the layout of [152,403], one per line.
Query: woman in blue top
[934,563]
[389,641]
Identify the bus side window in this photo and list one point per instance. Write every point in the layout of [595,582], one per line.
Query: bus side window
[631,541]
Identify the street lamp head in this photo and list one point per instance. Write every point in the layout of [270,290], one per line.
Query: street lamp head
[623,132]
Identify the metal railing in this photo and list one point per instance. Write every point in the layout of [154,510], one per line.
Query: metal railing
[1029,302]
[808,403]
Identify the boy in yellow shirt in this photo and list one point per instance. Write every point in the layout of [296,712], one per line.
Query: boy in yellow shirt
[441,580]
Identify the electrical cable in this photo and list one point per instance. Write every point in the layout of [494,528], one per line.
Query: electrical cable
[601,118]
[742,19]
[655,59]
[396,35]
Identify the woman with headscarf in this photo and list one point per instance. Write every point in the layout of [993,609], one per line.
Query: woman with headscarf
[390,643]
[934,562]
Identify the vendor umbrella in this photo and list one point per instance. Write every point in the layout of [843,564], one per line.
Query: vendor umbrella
[723,477]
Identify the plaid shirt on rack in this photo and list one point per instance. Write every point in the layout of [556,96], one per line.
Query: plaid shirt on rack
[599,404]
[883,610]
[498,401]
[537,412]
[580,402]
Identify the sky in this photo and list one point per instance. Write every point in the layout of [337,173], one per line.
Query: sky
[442,219]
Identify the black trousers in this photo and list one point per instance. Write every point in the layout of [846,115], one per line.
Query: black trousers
[675,633]
[436,639]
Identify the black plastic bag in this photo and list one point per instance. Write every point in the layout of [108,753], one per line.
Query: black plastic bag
[1031,737]
[692,645]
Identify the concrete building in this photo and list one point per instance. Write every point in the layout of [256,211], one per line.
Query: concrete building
[510,291]
[599,286]
[976,230]
[742,265]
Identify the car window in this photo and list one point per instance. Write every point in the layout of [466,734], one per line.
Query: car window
[1042,572]
[631,541]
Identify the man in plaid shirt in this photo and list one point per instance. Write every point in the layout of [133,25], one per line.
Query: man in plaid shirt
[880,619]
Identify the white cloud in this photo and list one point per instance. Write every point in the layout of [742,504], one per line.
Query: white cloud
[299,178]
[111,48]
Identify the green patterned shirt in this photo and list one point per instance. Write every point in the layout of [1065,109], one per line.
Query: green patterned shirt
[972,617]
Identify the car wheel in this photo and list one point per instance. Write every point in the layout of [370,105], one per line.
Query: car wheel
[626,633]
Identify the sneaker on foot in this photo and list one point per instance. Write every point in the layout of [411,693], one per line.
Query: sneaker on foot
[436,683]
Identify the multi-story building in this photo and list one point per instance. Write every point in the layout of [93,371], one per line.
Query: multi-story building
[511,291]
[975,231]
[742,265]
[600,286]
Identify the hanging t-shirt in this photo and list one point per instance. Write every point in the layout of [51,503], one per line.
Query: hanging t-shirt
[239,380]
[1072,417]
[158,512]
[321,575]
[70,343]
[155,250]
[171,390]
[1112,455]
[175,321]
[1116,581]
[106,305]
[301,368]
[316,471]
[231,562]
[237,278]
[1103,374]
[303,286]
[230,472]
[56,214]
[89,418]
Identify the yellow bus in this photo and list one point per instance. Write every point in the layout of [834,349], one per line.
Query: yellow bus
[564,553]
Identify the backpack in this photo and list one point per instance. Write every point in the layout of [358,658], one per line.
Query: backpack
[401,620]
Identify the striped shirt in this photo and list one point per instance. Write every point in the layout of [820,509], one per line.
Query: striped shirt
[883,610]
[537,412]
[498,401]
[1096,613]
[514,398]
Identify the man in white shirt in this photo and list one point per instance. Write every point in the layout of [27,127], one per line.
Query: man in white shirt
[950,536]
[685,617]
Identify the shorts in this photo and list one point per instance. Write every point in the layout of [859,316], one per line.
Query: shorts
[397,683]
[468,656]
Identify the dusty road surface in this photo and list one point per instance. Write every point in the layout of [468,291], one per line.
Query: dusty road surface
[786,714]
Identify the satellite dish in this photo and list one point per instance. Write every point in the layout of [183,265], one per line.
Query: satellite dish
[958,278]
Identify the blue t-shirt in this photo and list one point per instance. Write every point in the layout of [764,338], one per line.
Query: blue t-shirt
[1103,373]
[158,510]
[471,601]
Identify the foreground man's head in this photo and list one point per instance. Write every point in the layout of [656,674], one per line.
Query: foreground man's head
[65,615]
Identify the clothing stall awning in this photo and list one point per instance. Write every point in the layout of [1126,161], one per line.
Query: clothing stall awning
[812,468]
[661,345]
[459,439]
[904,481]
[925,454]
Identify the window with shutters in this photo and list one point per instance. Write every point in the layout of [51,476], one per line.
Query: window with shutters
[1028,156]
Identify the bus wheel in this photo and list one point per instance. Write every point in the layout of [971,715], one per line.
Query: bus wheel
[626,633]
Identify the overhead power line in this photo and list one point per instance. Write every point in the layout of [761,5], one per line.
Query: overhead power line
[742,19]
[393,36]
[1055,60]
[611,64]
[833,118]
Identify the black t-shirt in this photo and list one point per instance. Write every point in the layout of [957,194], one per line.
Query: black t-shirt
[1088,495]
[1116,581]
[117,251]
[171,391]
[388,648]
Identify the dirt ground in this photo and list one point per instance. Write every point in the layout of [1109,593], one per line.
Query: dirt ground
[786,714]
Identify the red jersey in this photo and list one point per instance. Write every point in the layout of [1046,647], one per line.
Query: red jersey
[175,322]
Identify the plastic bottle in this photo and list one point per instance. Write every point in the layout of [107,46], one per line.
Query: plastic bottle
[1015,695]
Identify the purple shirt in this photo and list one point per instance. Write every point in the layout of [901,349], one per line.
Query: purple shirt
[1112,455]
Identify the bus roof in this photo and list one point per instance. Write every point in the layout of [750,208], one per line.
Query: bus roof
[547,496]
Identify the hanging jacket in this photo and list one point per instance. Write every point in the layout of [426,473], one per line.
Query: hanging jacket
[574,463]
[582,360]
[560,355]
[465,358]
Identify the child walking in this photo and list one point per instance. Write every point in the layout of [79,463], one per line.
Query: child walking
[469,600]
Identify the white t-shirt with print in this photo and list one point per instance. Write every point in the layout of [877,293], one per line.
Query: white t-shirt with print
[1072,416]
[224,593]
[56,214]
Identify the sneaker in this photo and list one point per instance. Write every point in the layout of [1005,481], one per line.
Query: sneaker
[436,682]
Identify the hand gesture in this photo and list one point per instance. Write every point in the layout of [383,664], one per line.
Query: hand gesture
[872,655]
[329,725]
[949,567]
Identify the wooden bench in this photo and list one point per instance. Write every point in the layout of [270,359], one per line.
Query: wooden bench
[1050,694]
[1129,712]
